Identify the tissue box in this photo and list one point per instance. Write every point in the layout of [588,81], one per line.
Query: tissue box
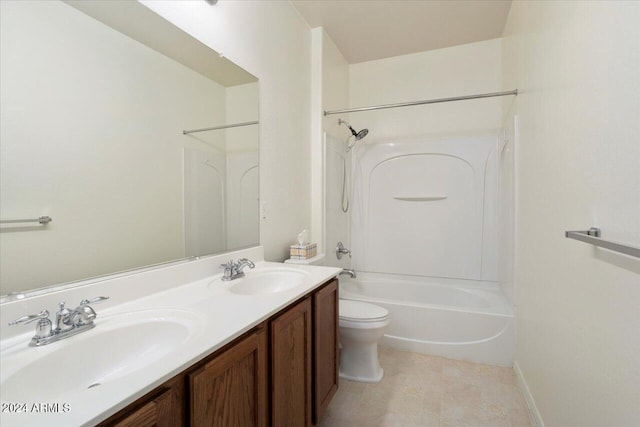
[306,251]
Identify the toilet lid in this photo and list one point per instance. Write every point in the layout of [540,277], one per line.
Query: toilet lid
[361,311]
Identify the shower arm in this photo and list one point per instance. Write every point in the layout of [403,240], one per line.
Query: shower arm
[353,132]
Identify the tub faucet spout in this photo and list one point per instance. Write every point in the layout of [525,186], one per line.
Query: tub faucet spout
[350,272]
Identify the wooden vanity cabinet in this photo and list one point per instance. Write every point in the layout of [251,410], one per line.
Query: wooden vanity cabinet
[325,347]
[228,388]
[163,407]
[282,373]
[291,366]
[231,389]
[304,358]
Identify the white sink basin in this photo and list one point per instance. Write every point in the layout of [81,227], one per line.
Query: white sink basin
[269,281]
[116,347]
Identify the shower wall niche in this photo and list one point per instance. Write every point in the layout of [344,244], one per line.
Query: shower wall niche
[427,207]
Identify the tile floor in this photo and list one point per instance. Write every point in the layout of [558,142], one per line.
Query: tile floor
[420,390]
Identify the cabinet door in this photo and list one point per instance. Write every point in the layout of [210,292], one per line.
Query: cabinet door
[325,347]
[231,389]
[291,367]
[150,414]
[162,407]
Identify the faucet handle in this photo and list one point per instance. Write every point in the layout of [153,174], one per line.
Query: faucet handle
[228,264]
[44,314]
[247,261]
[340,250]
[43,327]
[95,300]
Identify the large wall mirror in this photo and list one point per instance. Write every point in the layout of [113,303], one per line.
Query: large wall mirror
[95,98]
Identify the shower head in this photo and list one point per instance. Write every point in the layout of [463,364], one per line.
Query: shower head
[358,135]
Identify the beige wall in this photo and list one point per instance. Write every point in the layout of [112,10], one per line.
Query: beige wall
[329,91]
[335,87]
[577,66]
[270,40]
[455,71]
[335,96]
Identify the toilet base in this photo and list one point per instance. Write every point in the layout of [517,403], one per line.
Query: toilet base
[359,334]
[375,379]
[359,361]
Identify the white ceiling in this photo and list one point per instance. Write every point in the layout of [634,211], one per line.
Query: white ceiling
[365,30]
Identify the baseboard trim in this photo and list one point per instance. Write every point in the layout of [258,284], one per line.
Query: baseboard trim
[534,414]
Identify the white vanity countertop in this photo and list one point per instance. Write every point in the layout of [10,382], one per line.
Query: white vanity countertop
[213,315]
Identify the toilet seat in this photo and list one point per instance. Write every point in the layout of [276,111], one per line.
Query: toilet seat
[361,312]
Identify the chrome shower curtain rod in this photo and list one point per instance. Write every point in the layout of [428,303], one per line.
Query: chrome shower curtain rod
[429,101]
[44,220]
[186,132]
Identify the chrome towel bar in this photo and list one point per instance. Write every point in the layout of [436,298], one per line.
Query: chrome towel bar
[44,220]
[592,236]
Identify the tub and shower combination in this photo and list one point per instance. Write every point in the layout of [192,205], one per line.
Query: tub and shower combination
[453,319]
[425,237]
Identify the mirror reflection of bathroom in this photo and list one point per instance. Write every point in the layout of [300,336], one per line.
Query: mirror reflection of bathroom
[112,102]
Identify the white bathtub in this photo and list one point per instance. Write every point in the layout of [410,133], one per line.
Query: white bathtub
[457,319]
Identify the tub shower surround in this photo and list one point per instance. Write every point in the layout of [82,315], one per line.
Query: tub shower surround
[425,239]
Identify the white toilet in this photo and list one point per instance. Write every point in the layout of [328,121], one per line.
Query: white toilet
[361,326]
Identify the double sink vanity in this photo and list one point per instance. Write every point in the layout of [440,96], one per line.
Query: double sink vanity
[178,345]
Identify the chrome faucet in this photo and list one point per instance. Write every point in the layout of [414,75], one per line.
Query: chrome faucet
[68,322]
[63,316]
[350,272]
[233,270]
